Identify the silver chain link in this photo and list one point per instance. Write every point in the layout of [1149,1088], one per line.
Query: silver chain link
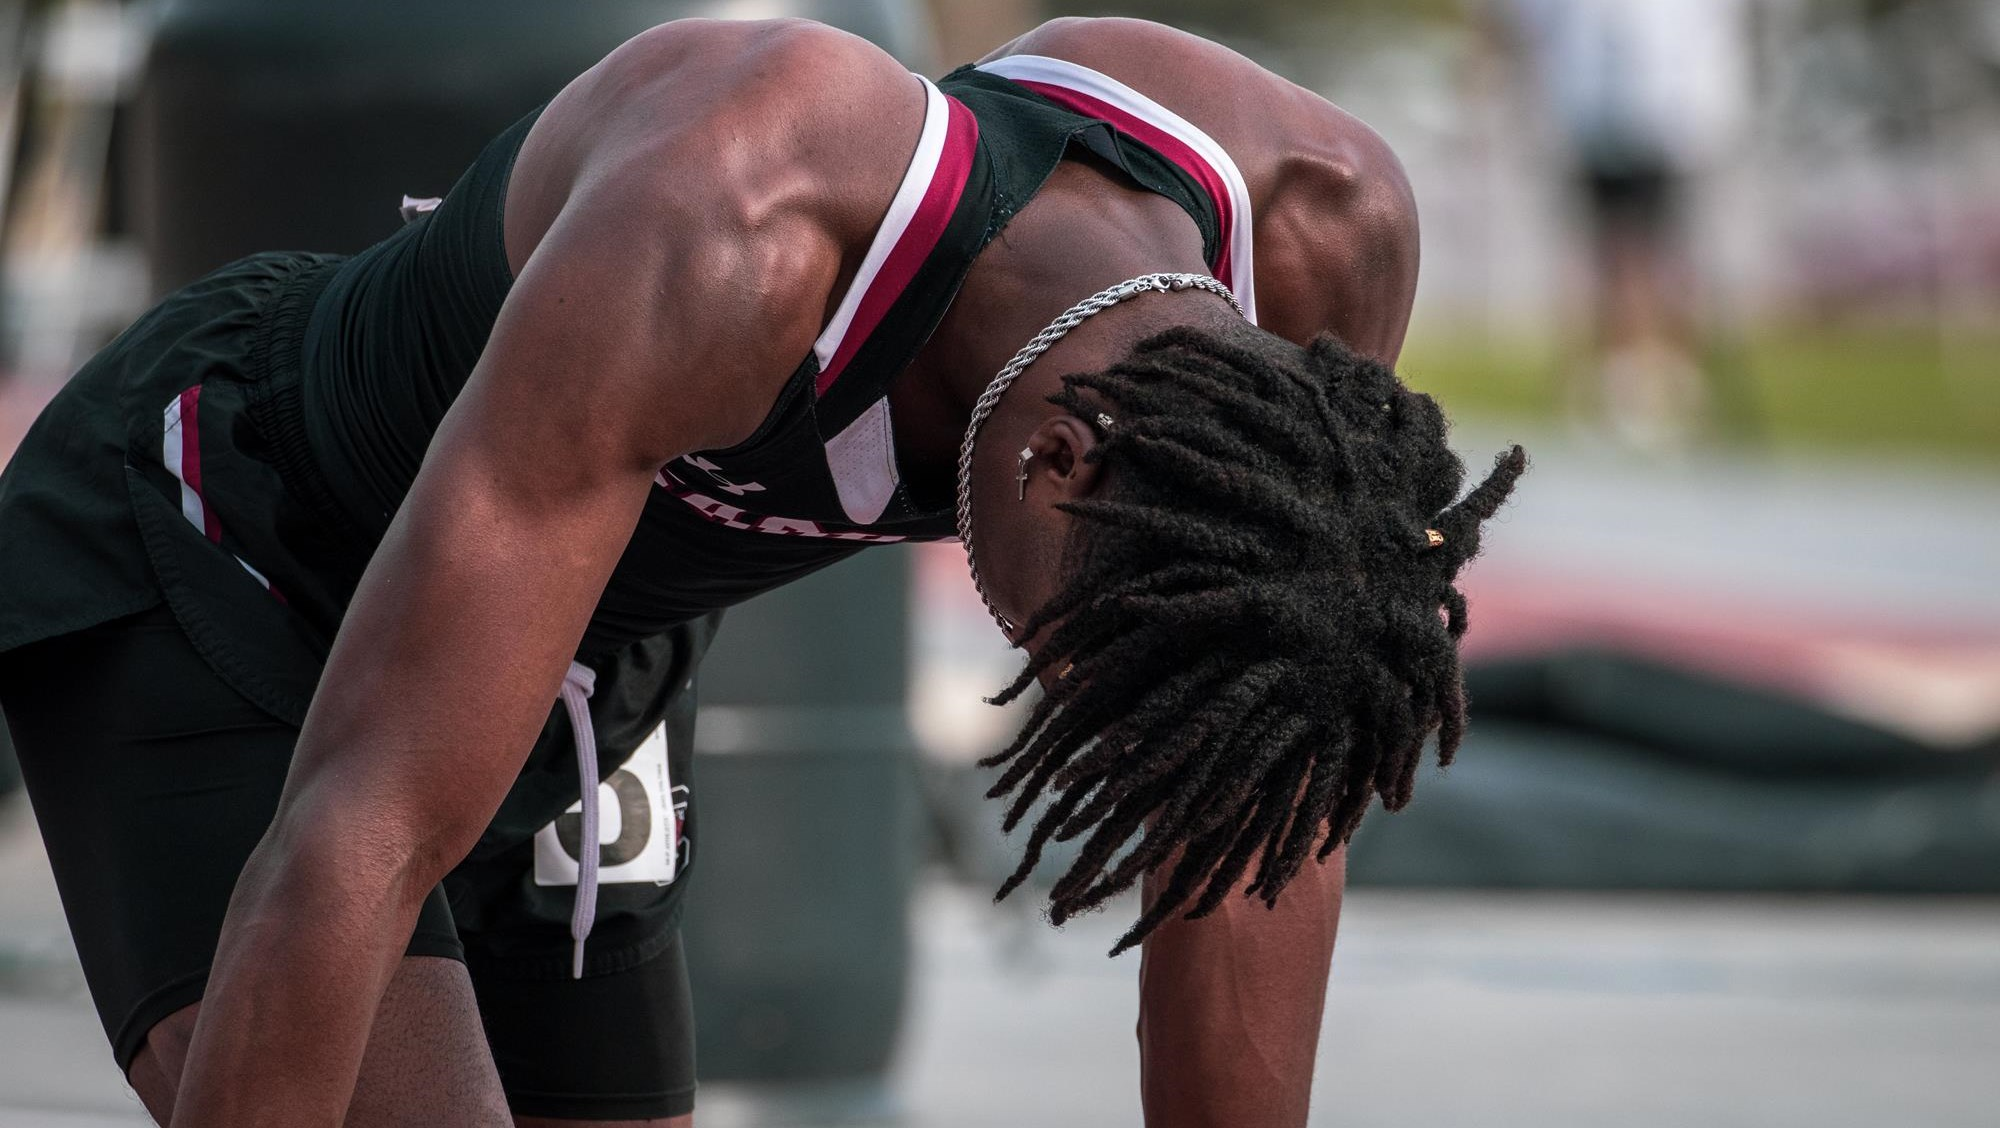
[990,398]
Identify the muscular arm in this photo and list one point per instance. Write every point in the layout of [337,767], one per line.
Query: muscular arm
[1230,1005]
[658,314]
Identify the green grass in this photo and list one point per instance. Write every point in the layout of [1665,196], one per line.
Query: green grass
[1876,389]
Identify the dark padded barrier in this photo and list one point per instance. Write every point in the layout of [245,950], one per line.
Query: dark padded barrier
[298,124]
[1597,770]
[10,771]
[797,928]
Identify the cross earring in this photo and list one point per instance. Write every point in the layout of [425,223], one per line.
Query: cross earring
[1021,472]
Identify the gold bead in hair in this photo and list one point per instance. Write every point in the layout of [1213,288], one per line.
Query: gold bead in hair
[1434,538]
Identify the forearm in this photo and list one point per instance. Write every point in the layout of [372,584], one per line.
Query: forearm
[314,932]
[1230,1007]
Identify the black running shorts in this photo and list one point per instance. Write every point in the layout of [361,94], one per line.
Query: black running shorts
[152,780]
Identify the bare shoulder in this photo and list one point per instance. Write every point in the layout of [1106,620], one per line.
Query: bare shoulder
[1331,200]
[685,210]
[1136,51]
[756,116]
[1257,115]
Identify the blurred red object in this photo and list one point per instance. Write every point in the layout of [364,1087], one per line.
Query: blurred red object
[1936,680]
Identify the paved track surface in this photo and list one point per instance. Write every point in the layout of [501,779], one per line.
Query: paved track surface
[1494,1009]
[1869,586]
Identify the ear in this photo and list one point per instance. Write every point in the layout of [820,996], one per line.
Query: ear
[1061,467]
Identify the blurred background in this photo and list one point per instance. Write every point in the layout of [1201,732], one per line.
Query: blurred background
[1723,846]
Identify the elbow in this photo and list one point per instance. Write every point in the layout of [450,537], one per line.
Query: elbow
[372,857]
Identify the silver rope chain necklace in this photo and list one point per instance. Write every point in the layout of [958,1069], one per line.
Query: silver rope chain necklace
[990,398]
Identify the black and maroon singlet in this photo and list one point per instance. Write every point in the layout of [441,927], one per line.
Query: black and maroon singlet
[819,477]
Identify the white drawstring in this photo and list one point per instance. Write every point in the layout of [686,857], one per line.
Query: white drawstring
[576,689]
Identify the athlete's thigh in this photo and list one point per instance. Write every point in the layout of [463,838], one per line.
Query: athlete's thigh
[615,1047]
[152,781]
[426,1064]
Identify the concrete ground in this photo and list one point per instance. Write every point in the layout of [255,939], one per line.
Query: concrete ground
[1495,1009]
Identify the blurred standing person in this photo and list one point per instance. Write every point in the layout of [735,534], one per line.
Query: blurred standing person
[1649,98]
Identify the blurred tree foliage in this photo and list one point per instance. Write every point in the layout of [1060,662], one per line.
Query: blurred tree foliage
[1879,388]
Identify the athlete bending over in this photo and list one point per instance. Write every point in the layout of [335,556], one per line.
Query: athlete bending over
[296,568]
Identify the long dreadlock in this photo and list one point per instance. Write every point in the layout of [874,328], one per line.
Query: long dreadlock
[1257,630]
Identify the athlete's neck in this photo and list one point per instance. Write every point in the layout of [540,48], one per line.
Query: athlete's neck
[1082,232]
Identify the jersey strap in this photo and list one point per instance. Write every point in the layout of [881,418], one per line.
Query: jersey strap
[910,229]
[1091,93]
[861,452]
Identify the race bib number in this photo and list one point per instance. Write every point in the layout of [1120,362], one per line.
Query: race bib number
[639,814]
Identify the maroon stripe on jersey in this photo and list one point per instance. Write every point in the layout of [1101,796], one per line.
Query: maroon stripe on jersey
[917,242]
[1168,146]
[180,449]
[190,467]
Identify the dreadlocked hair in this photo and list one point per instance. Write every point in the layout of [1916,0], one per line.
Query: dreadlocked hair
[1258,633]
